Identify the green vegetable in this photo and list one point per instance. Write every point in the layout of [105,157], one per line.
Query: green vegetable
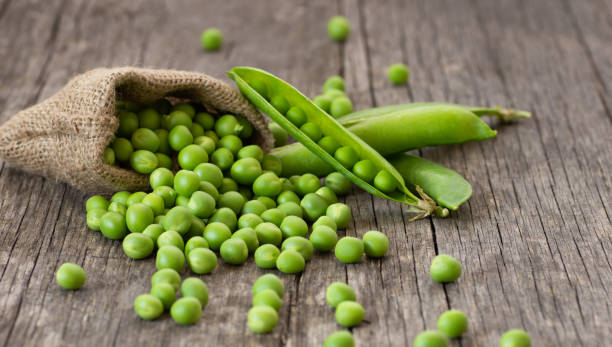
[338,292]
[94,216]
[246,170]
[135,198]
[226,216]
[231,142]
[340,106]
[178,219]
[314,206]
[186,182]
[267,184]
[148,306]
[253,206]
[112,226]
[215,234]
[211,39]
[272,163]
[165,292]
[280,135]
[202,261]
[340,339]
[326,221]
[210,173]
[202,204]
[290,262]
[296,116]
[208,144]
[144,138]
[137,246]
[268,297]
[269,233]
[155,203]
[453,323]
[96,201]
[398,73]
[300,245]
[232,200]
[338,183]
[123,149]
[249,236]
[265,256]
[249,220]
[333,83]
[349,313]
[223,158]
[349,249]
[143,161]
[262,319]
[234,251]
[169,276]
[323,238]
[291,209]
[180,137]
[307,183]
[293,226]
[287,196]
[444,268]
[186,311]
[338,28]
[70,276]
[515,338]
[171,238]
[375,244]
[340,213]
[195,288]
[269,281]
[170,257]
[193,243]
[138,217]
[120,197]
[430,338]
[228,125]
[274,216]
[191,156]
[251,151]
[128,123]
[327,194]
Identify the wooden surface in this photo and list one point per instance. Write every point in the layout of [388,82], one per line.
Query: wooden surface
[534,239]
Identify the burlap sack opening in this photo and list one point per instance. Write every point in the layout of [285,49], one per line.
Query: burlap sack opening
[64,137]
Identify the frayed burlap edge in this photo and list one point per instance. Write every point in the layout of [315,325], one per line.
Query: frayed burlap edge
[64,137]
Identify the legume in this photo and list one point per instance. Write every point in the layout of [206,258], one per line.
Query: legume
[70,276]
[444,268]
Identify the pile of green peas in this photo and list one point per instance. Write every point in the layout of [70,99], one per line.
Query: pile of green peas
[268,291]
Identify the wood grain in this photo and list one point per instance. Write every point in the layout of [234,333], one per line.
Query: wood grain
[534,239]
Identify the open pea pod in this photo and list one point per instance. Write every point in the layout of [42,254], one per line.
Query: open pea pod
[246,78]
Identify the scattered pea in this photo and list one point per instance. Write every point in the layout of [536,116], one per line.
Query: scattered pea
[195,288]
[269,281]
[299,244]
[70,276]
[349,313]
[186,311]
[323,238]
[211,39]
[375,244]
[137,246]
[338,292]
[515,338]
[453,323]
[170,257]
[307,183]
[234,251]
[398,73]
[340,213]
[340,339]
[290,262]
[349,249]
[202,261]
[444,268]
[165,292]
[148,307]
[333,83]
[169,276]
[268,297]
[293,226]
[338,28]
[265,256]
[262,319]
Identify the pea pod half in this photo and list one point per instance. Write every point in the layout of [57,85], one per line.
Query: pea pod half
[247,78]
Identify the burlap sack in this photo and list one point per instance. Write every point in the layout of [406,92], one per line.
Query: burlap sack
[64,137]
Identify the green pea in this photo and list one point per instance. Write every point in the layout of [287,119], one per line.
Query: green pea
[201,204]
[70,276]
[213,135]
[349,250]
[293,226]
[210,173]
[171,238]
[249,220]
[167,193]
[262,319]
[167,275]
[338,292]
[268,297]
[227,125]
[375,244]
[323,101]
[135,198]
[143,161]
[202,261]
[144,138]
[109,156]
[338,183]
[398,73]
[274,216]
[296,116]
[222,157]
[312,130]
[291,209]
[153,231]
[208,144]
[148,307]
[307,183]
[260,87]
[93,218]
[280,104]
[178,117]
[186,311]
[155,203]
[290,262]
[215,234]
[267,184]
[137,246]
[280,134]
[430,338]
[445,268]
[314,206]
[185,107]
[323,238]
[196,130]
[269,233]
[346,156]
[249,236]
[232,200]
[193,287]
[234,251]
[334,94]
[269,281]
[287,185]
[180,137]
[251,151]
[340,106]
[123,149]
[164,145]
[191,156]
[178,219]
[112,226]
[340,213]
[128,123]
[287,196]
[96,201]
[186,182]
[210,189]
[340,339]
[515,338]
[366,170]
[195,242]
[338,28]
[385,182]
[266,201]
[272,163]
[246,170]
[299,244]
[165,293]
[225,216]
[206,120]
[254,206]
[211,39]
[265,256]
[228,185]
[349,313]
[231,142]
[333,83]
[247,127]
[163,161]
[327,194]
[196,228]
[169,257]
[453,323]
[329,144]
[161,177]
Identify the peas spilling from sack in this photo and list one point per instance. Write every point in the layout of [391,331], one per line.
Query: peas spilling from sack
[213,193]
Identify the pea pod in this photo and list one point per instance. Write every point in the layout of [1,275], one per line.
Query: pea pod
[503,114]
[275,87]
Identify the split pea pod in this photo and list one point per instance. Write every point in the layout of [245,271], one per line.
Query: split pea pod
[308,124]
